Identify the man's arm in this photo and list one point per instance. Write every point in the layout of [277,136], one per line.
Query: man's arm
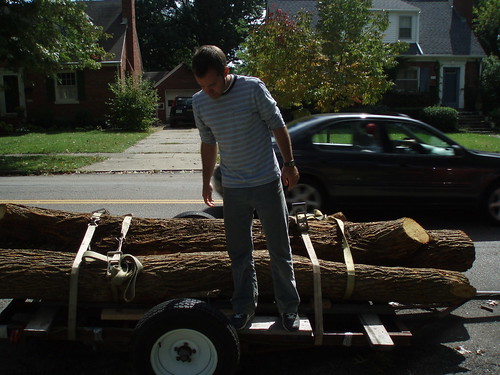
[208,160]
[289,175]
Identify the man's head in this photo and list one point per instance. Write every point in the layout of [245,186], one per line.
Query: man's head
[210,70]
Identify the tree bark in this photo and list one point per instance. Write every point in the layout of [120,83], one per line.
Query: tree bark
[401,242]
[43,274]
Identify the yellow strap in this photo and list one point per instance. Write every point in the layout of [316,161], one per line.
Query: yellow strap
[349,262]
[301,221]
[75,270]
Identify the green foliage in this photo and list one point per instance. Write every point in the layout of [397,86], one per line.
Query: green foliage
[285,54]
[442,118]
[340,63]
[41,35]
[495,117]
[170,30]
[134,104]
[356,54]
[487,25]
[490,83]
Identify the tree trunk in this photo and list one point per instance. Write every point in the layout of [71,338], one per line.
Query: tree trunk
[45,274]
[401,242]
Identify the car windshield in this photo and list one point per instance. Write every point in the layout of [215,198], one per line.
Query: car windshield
[184,101]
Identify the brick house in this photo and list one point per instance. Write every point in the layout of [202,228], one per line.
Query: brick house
[77,96]
[443,62]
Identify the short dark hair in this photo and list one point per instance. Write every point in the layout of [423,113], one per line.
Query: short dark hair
[208,57]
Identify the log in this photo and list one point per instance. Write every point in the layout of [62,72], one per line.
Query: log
[43,274]
[389,243]
[452,249]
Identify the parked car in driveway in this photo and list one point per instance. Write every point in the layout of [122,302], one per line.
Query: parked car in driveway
[367,161]
[181,111]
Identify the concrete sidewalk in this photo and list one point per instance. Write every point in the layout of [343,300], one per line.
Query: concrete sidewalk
[166,149]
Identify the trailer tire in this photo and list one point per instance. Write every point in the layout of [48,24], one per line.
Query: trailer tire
[194,214]
[185,336]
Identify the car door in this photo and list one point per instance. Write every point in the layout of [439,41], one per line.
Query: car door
[427,167]
[351,159]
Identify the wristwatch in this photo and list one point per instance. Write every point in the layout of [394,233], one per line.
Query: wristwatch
[290,163]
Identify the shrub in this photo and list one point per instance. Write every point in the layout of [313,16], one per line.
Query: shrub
[442,118]
[6,128]
[133,106]
[490,83]
[495,117]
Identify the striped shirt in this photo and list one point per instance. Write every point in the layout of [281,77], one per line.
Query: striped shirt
[240,122]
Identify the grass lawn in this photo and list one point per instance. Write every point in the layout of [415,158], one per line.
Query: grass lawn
[44,164]
[35,151]
[69,142]
[481,142]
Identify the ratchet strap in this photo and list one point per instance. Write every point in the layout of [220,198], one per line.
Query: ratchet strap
[75,270]
[349,262]
[303,226]
[122,270]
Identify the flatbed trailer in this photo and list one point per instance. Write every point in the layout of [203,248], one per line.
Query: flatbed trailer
[192,334]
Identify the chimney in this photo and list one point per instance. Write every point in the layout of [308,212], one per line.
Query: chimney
[133,52]
[464,8]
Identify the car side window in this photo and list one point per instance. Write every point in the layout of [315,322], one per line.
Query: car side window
[408,138]
[334,137]
[367,137]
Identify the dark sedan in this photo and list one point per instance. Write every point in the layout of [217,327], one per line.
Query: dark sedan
[182,111]
[364,160]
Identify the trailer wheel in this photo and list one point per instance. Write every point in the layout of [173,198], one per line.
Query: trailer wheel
[185,337]
[194,214]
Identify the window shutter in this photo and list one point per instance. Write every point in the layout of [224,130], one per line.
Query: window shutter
[80,81]
[424,79]
[51,89]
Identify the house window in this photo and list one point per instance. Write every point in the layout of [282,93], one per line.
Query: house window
[66,88]
[405,27]
[407,79]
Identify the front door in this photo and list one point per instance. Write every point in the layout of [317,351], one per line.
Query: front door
[11,94]
[451,87]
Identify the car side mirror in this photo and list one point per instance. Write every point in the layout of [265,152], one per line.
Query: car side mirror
[458,150]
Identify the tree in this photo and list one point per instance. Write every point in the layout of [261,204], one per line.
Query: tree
[341,62]
[286,54]
[356,54]
[170,30]
[487,25]
[42,35]
[490,83]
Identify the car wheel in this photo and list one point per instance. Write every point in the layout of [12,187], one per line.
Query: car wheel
[493,204]
[306,192]
[185,336]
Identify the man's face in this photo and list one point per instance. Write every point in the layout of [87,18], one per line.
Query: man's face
[213,84]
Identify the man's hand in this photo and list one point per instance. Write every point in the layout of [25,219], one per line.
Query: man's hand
[207,195]
[290,176]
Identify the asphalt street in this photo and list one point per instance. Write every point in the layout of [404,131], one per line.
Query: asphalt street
[465,342]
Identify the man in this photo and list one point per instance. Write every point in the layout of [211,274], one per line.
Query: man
[237,114]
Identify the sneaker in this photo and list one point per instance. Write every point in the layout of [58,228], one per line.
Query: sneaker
[241,320]
[290,321]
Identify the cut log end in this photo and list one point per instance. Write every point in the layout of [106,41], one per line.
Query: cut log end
[415,231]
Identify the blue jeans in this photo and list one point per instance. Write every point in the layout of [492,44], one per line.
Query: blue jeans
[269,202]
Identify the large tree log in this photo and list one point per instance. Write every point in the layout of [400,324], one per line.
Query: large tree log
[45,274]
[390,243]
